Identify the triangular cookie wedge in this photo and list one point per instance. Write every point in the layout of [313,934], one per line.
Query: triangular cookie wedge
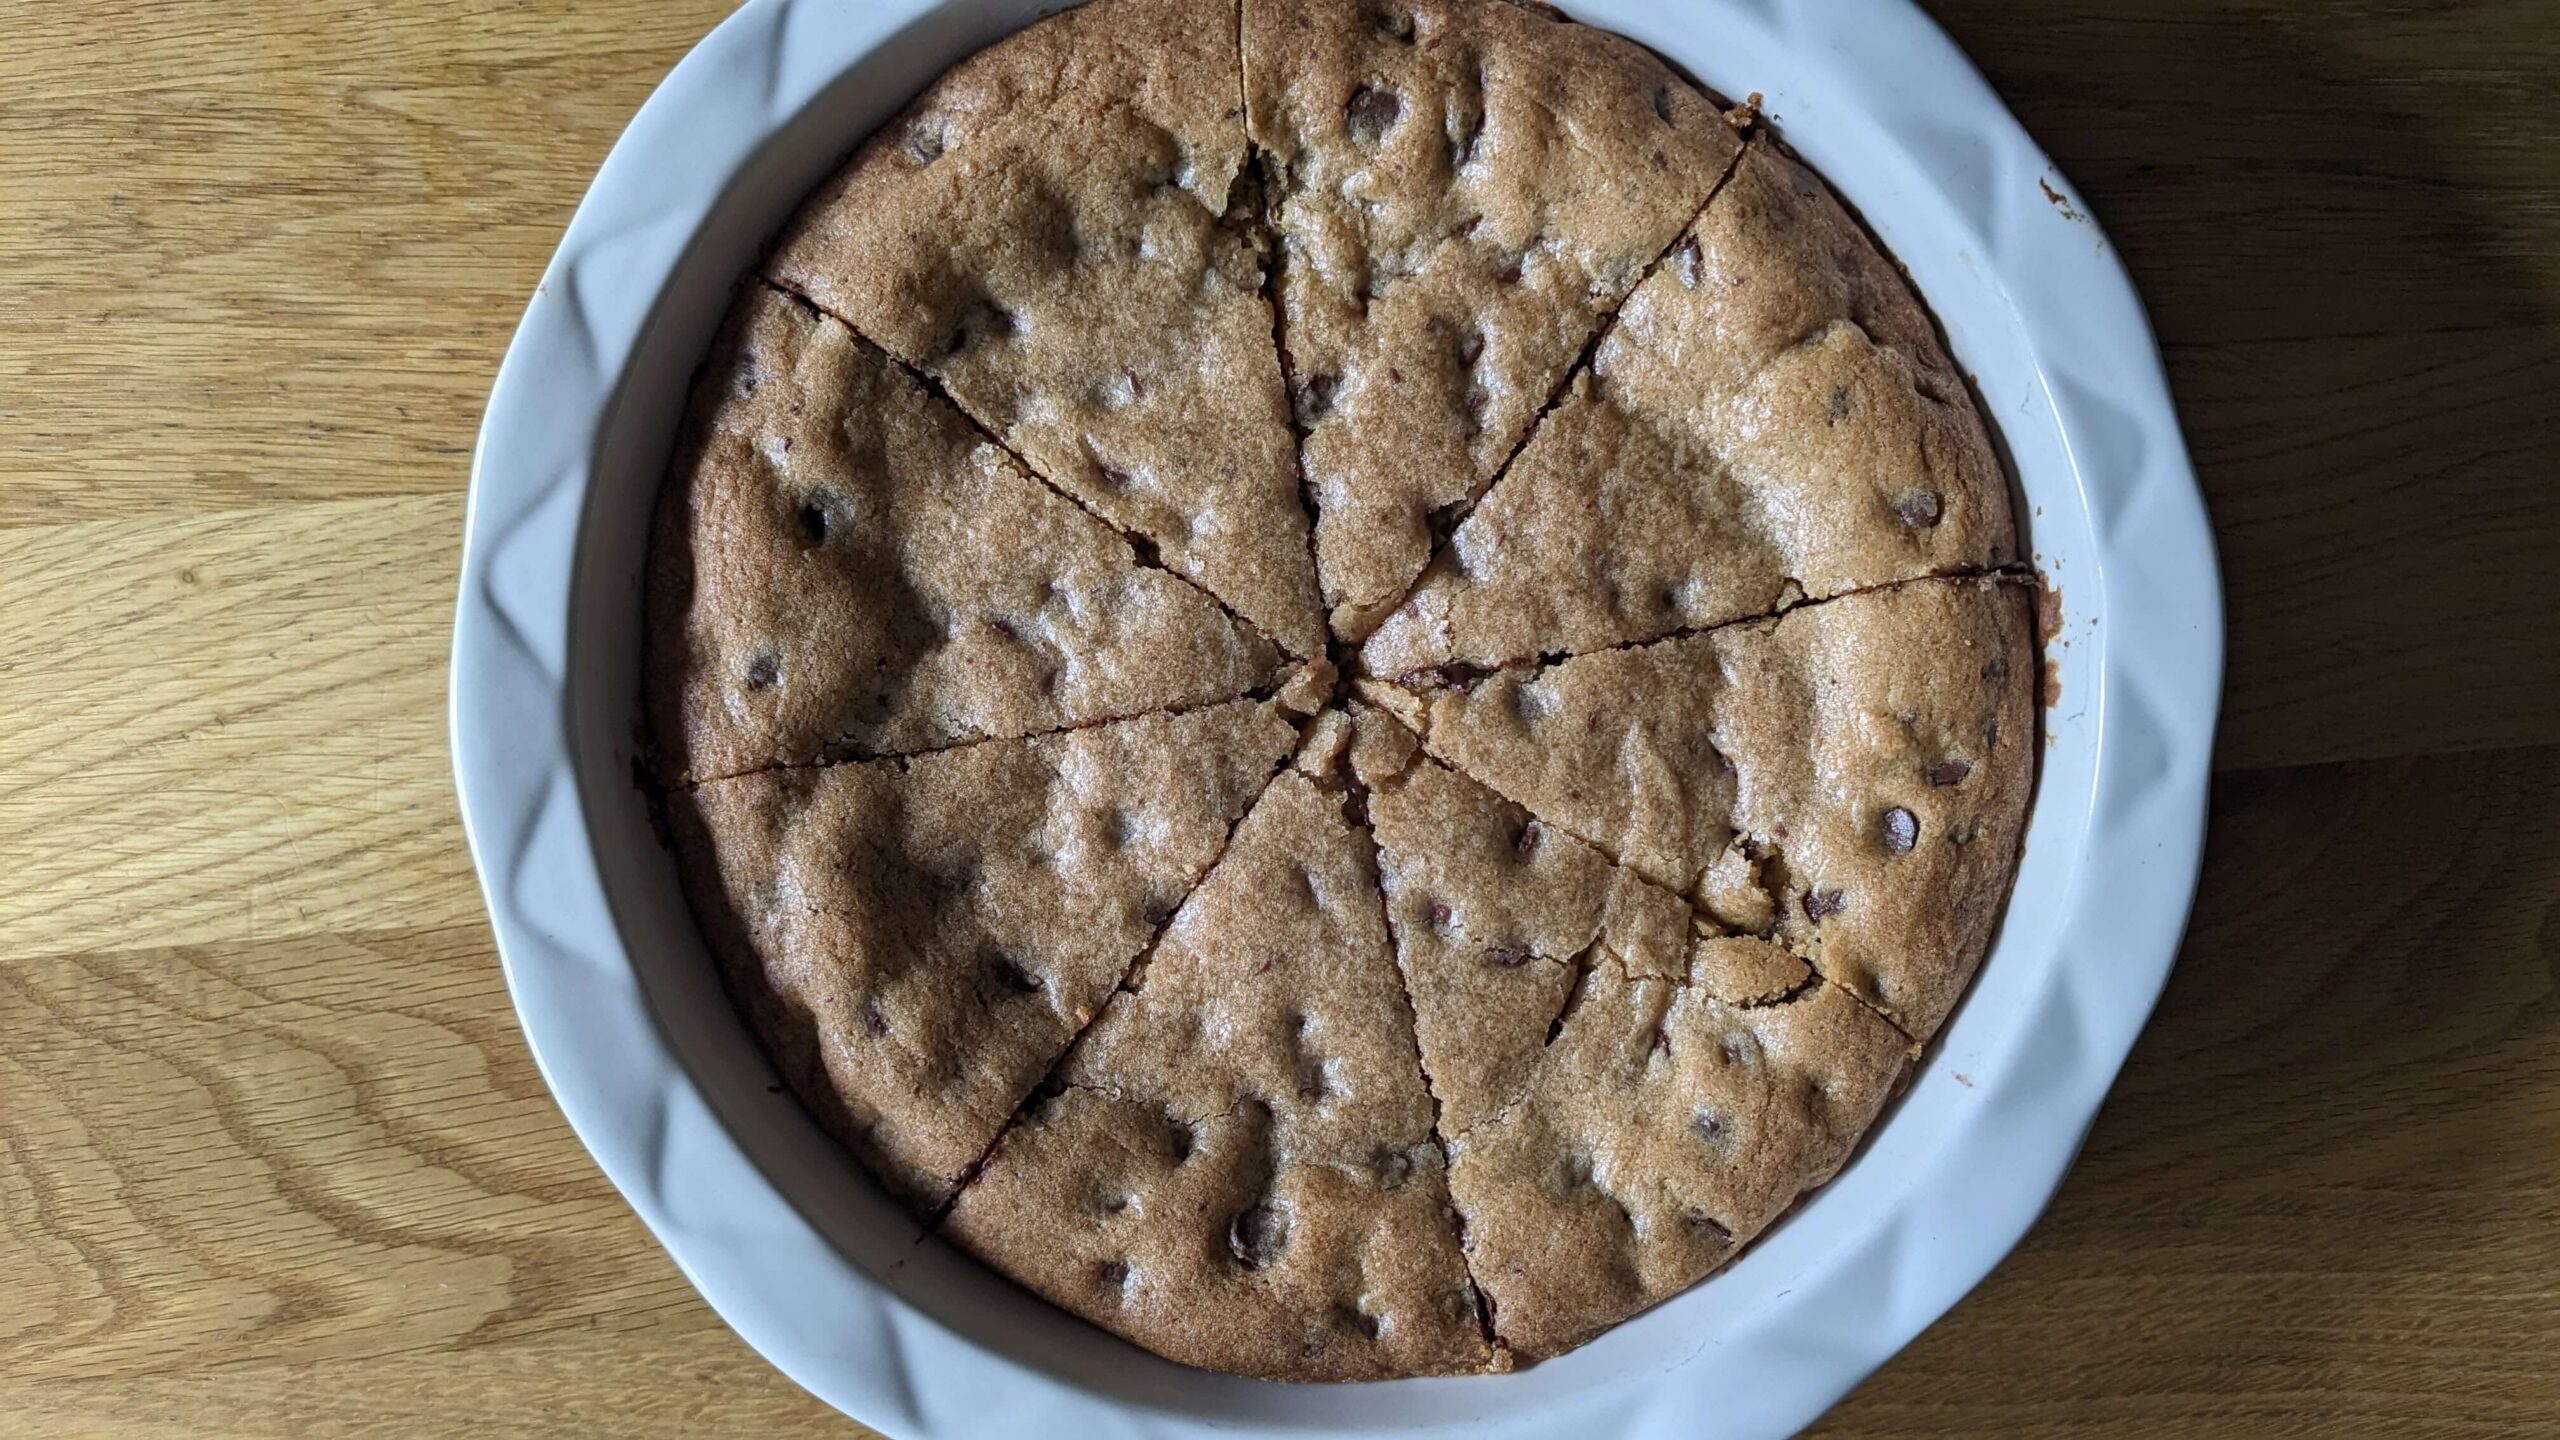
[1464,190]
[1238,1171]
[1772,418]
[1496,920]
[843,567]
[1054,232]
[1851,777]
[917,941]
[1666,1126]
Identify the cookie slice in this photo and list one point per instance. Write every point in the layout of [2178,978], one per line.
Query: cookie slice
[916,941]
[1665,1127]
[1238,1172]
[1463,190]
[1496,920]
[1772,418]
[842,567]
[1052,231]
[1851,777]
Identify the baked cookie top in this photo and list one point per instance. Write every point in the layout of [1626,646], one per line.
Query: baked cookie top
[1342,679]
[917,939]
[1053,232]
[1771,419]
[844,568]
[1238,1169]
[1850,777]
[1463,192]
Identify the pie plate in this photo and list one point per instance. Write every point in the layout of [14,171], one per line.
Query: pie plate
[784,1234]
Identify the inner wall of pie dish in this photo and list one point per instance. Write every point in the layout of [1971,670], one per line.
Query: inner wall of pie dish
[1942,249]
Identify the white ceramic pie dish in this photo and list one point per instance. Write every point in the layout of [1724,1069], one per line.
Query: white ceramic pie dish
[784,1234]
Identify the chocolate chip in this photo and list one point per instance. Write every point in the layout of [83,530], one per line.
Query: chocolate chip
[1510,274]
[1572,1172]
[1901,830]
[1392,24]
[1662,102]
[1179,1142]
[1470,347]
[1115,479]
[1689,263]
[1314,398]
[1818,903]
[1360,1322]
[1114,1204]
[980,321]
[1527,845]
[1506,957]
[924,143]
[1010,976]
[764,670]
[1840,408]
[1995,669]
[1392,1167]
[1440,917]
[1112,1276]
[1257,1235]
[1706,1125]
[1708,1226]
[813,522]
[1949,772]
[1919,509]
[875,1022]
[1373,111]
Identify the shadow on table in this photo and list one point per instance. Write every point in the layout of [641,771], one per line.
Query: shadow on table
[2325,1131]
[2352,257]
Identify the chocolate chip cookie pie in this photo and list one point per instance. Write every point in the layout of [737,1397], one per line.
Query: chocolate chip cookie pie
[1344,680]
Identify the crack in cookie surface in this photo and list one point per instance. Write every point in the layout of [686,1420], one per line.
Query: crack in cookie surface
[1436,1058]
[1772,416]
[1850,777]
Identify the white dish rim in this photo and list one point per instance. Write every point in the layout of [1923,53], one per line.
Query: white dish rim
[781,1233]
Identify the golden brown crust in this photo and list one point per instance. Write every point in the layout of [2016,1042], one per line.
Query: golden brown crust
[1772,419]
[1853,776]
[1465,189]
[1047,232]
[1663,1130]
[843,568]
[1239,1172]
[1318,1037]
[1496,918]
[918,940]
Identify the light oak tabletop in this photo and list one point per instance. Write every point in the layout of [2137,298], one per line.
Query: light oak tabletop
[274,1160]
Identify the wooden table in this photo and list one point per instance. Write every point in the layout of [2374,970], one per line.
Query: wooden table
[275,1161]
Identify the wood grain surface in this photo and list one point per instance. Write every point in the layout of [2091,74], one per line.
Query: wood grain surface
[273,1158]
